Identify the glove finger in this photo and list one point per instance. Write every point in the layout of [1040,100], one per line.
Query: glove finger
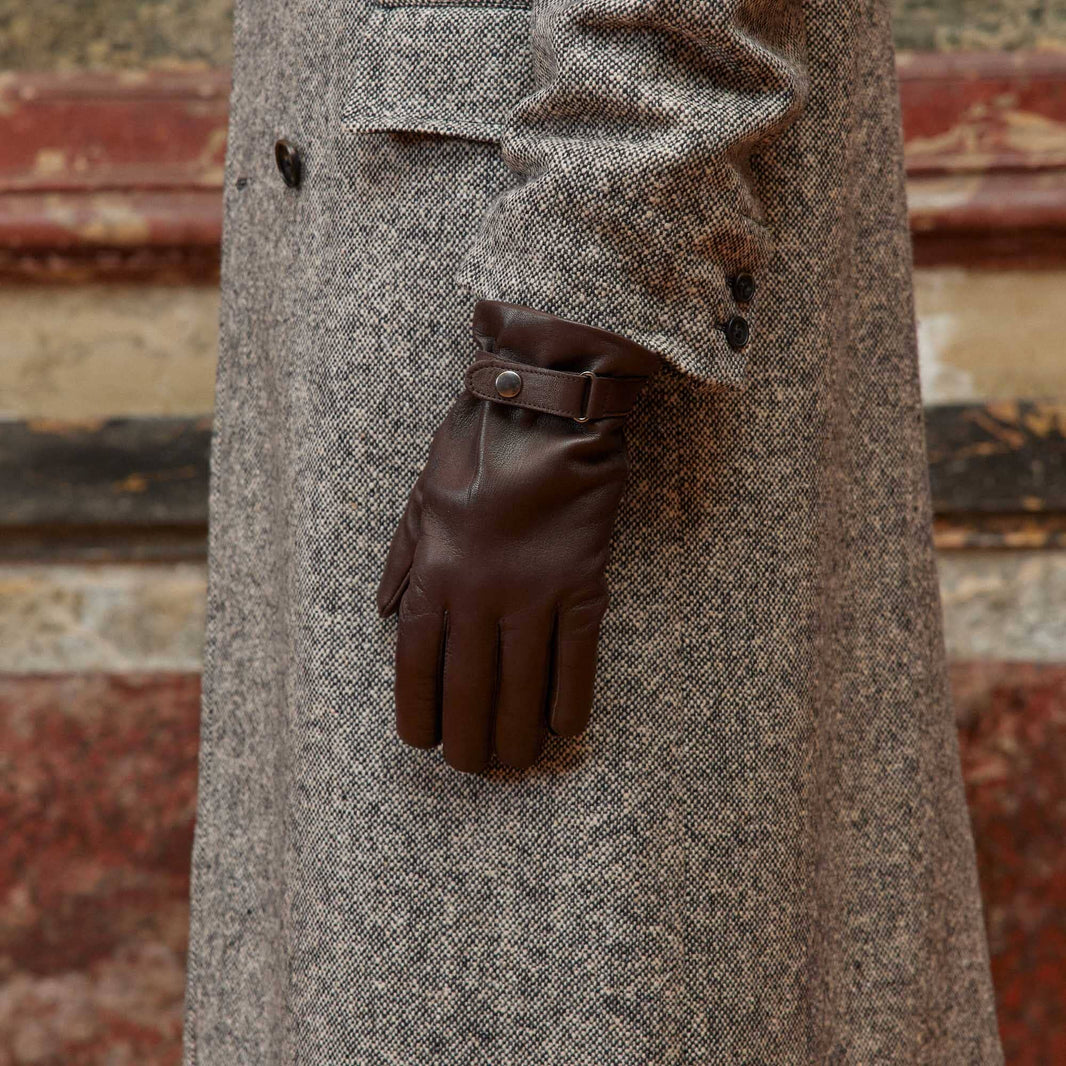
[419,644]
[576,638]
[401,553]
[522,696]
[470,658]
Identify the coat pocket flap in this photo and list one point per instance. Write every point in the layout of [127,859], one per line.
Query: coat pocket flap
[443,69]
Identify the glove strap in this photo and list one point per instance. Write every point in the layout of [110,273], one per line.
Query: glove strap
[582,397]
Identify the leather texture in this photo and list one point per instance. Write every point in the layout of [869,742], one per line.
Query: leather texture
[497,566]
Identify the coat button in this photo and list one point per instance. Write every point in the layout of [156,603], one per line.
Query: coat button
[287,156]
[737,332]
[508,384]
[743,286]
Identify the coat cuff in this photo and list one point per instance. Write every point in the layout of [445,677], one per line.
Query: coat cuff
[709,336]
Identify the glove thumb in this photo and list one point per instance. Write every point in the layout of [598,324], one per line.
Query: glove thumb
[401,555]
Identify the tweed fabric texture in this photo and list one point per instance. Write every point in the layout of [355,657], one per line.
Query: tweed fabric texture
[760,852]
[635,151]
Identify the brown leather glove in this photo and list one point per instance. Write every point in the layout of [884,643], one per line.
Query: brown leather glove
[497,566]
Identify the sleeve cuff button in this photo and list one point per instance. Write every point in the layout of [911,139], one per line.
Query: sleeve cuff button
[737,332]
[743,287]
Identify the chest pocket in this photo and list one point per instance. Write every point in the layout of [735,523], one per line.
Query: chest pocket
[440,66]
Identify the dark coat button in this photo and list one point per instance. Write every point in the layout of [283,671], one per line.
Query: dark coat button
[743,286]
[737,332]
[287,156]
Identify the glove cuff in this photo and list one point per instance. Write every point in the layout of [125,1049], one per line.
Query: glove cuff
[537,361]
[535,338]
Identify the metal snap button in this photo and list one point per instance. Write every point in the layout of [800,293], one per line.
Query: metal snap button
[508,384]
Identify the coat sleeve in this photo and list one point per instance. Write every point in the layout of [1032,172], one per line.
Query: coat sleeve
[636,208]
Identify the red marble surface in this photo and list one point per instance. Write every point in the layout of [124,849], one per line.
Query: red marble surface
[984,140]
[97,787]
[1013,734]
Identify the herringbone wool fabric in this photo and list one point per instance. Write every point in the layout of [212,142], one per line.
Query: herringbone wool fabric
[760,851]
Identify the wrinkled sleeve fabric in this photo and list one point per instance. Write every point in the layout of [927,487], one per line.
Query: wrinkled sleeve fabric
[636,206]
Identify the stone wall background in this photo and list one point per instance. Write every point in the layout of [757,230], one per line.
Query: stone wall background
[932,25]
[134,34]
[114,34]
[99,660]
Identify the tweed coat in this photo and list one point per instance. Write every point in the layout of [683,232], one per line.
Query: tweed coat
[760,852]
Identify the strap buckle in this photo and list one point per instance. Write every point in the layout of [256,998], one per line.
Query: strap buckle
[586,398]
